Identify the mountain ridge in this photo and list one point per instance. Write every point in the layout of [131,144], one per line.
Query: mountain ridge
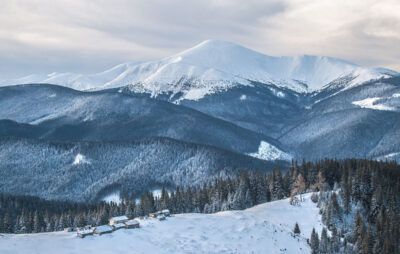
[214,66]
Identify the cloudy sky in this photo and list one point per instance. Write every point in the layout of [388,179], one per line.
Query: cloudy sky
[42,36]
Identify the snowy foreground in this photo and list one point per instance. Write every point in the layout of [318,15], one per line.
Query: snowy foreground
[265,228]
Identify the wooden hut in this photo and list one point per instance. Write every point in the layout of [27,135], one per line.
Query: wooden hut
[85,232]
[166,212]
[132,224]
[119,219]
[104,229]
[117,226]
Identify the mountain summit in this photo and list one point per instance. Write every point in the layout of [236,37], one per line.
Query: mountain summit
[213,66]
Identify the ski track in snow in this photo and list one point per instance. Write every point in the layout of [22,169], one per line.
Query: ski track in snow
[266,228]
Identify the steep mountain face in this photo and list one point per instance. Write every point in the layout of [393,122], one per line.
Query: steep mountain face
[85,171]
[58,113]
[214,66]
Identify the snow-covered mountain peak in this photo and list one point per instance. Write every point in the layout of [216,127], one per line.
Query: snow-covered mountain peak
[214,66]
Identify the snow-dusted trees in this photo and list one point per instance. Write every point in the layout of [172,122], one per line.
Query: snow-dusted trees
[314,242]
[324,242]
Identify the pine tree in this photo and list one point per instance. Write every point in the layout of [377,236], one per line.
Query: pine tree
[8,224]
[1,224]
[261,189]
[367,244]
[324,243]
[296,229]
[38,224]
[334,241]
[62,222]
[314,242]
[130,210]
[103,217]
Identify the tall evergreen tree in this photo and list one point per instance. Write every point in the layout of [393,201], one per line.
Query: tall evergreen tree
[314,242]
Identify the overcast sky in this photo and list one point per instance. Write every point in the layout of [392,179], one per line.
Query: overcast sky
[88,36]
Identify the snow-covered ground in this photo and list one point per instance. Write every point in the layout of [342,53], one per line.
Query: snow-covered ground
[116,198]
[372,103]
[265,228]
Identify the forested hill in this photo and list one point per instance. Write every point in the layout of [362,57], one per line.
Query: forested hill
[82,171]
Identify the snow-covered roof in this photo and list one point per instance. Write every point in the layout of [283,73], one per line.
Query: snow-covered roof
[85,231]
[119,225]
[131,222]
[104,228]
[119,218]
[165,211]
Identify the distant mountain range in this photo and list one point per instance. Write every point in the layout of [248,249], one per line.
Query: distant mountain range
[212,66]
[218,95]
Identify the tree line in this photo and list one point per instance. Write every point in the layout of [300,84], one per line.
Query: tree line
[359,202]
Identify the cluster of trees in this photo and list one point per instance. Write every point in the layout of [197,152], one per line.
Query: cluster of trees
[362,211]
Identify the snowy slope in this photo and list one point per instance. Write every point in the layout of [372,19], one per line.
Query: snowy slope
[266,151]
[214,66]
[265,228]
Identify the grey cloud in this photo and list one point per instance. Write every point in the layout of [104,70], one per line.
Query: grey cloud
[88,36]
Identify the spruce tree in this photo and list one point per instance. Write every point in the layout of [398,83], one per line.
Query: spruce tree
[37,223]
[8,224]
[1,224]
[367,244]
[296,229]
[314,242]
[324,243]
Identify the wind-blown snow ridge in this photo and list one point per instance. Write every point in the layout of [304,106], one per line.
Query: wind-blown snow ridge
[266,151]
[214,66]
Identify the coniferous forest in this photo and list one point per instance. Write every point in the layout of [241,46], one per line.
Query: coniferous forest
[359,201]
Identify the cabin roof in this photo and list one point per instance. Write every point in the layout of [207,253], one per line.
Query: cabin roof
[132,222]
[119,225]
[103,228]
[85,231]
[118,218]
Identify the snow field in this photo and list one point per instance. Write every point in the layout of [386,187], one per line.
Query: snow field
[266,228]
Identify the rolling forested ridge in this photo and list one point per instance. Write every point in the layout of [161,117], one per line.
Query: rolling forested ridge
[359,201]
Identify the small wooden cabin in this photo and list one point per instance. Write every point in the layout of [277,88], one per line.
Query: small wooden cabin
[104,229]
[85,232]
[119,219]
[117,226]
[166,212]
[132,224]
